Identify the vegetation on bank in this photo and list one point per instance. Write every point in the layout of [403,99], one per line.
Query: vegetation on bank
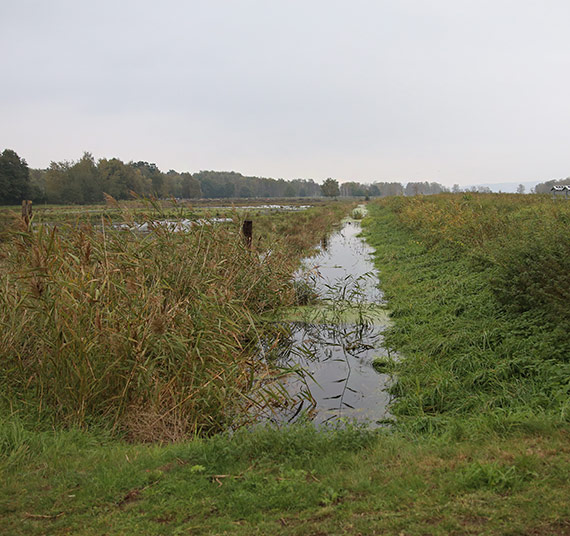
[153,334]
[479,287]
[480,444]
[296,481]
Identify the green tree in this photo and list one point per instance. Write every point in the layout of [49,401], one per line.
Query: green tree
[119,179]
[330,188]
[151,171]
[190,186]
[374,191]
[86,175]
[38,185]
[74,182]
[14,178]
[61,186]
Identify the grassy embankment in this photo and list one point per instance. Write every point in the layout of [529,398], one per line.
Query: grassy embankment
[476,285]
[479,288]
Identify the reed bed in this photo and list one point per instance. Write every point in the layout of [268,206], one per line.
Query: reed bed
[155,335]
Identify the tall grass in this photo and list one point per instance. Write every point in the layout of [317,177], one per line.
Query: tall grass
[479,291]
[524,239]
[153,334]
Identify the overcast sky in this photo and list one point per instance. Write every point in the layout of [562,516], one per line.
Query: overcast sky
[454,91]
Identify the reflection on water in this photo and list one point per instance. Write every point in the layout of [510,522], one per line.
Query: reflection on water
[343,258]
[333,349]
[337,379]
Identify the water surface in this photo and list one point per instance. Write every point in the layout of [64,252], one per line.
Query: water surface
[332,345]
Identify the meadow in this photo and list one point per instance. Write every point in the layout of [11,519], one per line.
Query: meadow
[478,290]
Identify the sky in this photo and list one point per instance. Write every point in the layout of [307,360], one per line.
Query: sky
[452,91]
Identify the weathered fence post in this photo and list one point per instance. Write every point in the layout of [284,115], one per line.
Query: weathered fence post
[26,211]
[247,230]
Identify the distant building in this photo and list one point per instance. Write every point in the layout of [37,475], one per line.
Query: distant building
[561,189]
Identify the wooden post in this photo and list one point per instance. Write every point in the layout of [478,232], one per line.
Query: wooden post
[26,211]
[247,231]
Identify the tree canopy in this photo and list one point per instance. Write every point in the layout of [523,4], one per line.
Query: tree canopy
[14,178]
[87,180]
[330,188]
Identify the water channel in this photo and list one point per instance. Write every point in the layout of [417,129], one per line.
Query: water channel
[332,344]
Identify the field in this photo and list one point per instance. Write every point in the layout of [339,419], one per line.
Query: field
[478,291]
[143,209]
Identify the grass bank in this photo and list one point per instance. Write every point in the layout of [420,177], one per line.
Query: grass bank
[479,287]
[288,482]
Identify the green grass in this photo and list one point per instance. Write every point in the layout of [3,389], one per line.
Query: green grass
[474,356]
[481,374]
[293,481]
[143,209]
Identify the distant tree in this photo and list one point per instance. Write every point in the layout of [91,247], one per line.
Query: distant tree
[545,187]
[520,189]
[190,187]
[85,175]
[119,179]
[244,191]
[424,188]
[14,178]
[38,185]
[354,189]
[61,186]
[374,191]
[330,188]
[289,191]
[413,188]
[456,189]
[151,171]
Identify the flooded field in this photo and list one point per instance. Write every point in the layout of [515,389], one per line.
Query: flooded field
[332,343]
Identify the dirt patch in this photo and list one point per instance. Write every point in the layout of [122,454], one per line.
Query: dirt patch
[130,497]
[559,528]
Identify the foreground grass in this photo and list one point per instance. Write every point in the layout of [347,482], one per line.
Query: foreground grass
[294,481]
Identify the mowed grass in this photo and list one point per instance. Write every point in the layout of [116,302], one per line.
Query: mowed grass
[292,481]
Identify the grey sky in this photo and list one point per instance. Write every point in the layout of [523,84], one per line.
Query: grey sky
[448,90]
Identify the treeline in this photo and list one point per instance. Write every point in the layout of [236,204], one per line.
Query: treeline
[545,187]
[86,181]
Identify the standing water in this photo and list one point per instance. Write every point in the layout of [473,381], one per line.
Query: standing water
[332,345]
